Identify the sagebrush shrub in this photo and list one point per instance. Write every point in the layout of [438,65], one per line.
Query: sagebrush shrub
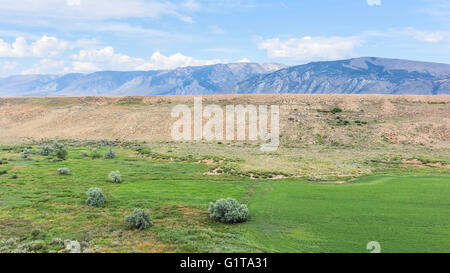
[228,211]
[115,177]
[57,145]
[63,171]
[61,154]
[46,150]
[336,110]
[95,197]
[139,219]
[25,155]
[110,154]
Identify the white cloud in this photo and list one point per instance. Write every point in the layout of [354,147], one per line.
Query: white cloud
[373,2]
[105,55]
[44,47]
[107,59]
[48,47]
[410,33]
[92,10]
[311,48]
[428,37]
[244,60]
[18,49]
[160,61]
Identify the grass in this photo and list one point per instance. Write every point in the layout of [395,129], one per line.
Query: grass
[404,212]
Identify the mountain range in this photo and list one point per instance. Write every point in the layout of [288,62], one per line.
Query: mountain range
[368,75]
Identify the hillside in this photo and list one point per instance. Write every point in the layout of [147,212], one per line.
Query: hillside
[408,119]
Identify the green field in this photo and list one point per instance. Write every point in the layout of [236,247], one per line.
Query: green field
[405,210]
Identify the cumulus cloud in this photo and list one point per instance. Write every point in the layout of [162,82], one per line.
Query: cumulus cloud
[48,47]
[107,59]
[311,48]
[44,47]
[160,61]
[17,49]
[373,2]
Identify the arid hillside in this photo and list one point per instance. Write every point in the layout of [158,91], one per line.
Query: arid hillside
[305,119]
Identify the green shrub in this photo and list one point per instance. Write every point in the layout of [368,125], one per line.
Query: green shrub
[63,171]
[110,154]
[139,219]
[115,177]
[25,155]
[61,154]
[336,110]
[228,211]
[46,150]
[57,145]
[95,154]
[38,234]
[144,151]
[95,197]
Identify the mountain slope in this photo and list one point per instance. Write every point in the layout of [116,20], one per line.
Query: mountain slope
[187,80]
[354,76]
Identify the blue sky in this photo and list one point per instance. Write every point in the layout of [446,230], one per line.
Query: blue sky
[65,36]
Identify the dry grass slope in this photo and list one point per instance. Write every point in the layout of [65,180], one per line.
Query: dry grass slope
[313,139]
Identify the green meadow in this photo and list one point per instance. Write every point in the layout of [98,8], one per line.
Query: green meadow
[405,209]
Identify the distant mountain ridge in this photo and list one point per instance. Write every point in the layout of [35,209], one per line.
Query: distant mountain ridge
[367,75]
[209,79]
[354,76]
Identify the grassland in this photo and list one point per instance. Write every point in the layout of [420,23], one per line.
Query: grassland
[402,206]
[349,170]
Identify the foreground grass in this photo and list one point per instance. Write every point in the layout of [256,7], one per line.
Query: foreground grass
[404,212]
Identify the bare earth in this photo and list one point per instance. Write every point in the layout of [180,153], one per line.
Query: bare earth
[368,127]
[403,119]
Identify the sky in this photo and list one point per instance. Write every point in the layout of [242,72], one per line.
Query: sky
[83,36]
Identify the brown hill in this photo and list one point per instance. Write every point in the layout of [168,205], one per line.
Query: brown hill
[365,119]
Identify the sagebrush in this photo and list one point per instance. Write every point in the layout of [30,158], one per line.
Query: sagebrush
[228,211]
[95,197]
[115,177]
[63,171]
[139,219]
